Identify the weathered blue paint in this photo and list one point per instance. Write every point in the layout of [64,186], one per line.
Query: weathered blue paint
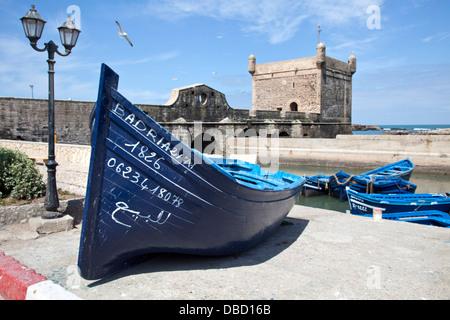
[148,192]
[363,204]
[430,217]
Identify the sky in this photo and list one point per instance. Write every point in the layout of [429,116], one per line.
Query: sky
[401,46]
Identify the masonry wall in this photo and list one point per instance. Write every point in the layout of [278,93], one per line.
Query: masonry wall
[27,119]
[279,85]
[336,93]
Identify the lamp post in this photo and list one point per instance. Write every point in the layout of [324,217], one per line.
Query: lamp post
[33,25]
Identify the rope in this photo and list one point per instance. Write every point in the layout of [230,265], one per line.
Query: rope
[369,184]
[419,206]
[345,182]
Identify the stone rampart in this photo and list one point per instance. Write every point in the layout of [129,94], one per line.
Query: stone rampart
[27,120]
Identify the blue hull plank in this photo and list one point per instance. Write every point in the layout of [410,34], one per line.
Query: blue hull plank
[413,214]
[368,184]
[431,217]
[401,169]
[149,193]
[363,204]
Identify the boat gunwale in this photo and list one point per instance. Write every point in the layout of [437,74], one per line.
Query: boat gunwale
[409,168]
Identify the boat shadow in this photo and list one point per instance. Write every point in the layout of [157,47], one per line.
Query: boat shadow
[285,235]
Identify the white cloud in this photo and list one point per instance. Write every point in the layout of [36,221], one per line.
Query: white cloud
[354,44]
[437,37]
[154,58]
[146,96]
[20,67]
[280,20]
[338,12]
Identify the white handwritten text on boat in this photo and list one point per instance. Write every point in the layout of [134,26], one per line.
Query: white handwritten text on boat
[131,174]
[123,207]
[176,153]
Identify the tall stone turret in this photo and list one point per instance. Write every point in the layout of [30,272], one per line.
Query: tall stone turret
[352,63]
[251,64]
[321,54]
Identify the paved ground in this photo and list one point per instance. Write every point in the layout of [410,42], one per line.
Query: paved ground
[320,254]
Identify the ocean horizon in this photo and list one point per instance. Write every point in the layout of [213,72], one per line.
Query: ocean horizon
[404,127]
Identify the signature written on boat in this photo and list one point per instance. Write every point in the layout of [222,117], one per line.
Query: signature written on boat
[178,153]
[161,218]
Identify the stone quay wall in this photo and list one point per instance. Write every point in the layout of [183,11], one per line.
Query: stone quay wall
[429,153]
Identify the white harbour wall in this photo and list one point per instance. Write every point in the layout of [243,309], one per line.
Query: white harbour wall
[429,153]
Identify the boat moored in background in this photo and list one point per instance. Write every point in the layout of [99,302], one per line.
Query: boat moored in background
[400,169]
[316,185]
[363,203]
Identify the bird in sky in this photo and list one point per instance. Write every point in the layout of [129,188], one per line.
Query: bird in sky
[123,34]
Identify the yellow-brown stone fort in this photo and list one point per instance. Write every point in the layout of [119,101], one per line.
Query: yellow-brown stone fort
[316,85]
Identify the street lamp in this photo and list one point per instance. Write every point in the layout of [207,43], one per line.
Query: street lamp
[33,25]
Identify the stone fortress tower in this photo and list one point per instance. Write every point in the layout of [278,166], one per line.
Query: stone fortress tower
[320,86]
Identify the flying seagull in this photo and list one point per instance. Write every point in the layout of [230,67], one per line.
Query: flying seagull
[123,34]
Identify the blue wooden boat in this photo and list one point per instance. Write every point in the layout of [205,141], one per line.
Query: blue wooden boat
[401,169]
[316,185]
[149,193]
[431,217]
[368,184]
[363,203]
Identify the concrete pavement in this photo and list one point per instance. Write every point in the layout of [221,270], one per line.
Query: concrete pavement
[317,254]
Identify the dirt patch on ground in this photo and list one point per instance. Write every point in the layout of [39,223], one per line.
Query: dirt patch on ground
[62,195]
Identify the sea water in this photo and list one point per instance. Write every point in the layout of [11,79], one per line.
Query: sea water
[402,127]
[426,183]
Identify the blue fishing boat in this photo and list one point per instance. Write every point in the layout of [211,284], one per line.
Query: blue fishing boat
[316,185]
[401,169]
[150,193]
[368,184]
[363,203]
[431,217]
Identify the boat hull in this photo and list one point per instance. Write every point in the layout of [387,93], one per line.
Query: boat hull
[430,218]
[364,204]
[148,193]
